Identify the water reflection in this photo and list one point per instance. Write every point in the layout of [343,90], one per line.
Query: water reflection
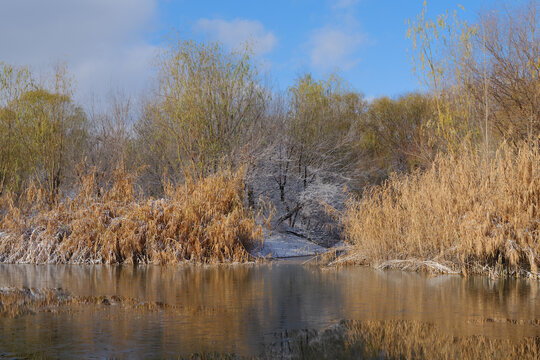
[253,310]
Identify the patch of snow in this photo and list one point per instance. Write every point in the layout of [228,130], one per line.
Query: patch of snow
[280,245]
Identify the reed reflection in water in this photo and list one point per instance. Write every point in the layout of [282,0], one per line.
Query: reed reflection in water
[271,310]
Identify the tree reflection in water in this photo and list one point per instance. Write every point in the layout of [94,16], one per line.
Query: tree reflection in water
[267,310]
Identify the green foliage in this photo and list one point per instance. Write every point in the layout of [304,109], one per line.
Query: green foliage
[322,118]
[441,48]
[40,131]
[397,133]
[13,83]
[208,102]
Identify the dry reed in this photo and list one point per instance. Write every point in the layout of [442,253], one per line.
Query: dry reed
[15,302]
[397,339]
[472,213]
[201,221]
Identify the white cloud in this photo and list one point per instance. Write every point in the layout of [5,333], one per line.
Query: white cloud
[332,47]
[344,4]
[234,34]
[336,44]
[102,41]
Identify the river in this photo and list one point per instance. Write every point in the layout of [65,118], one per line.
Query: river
[282,309]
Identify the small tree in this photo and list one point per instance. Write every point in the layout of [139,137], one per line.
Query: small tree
[484,77]
[44,130]
[52,130]
[13,83]
[322,118]
[396,134]
[505,81]
[207,104]
[315,151]
[441,48]
[111,130]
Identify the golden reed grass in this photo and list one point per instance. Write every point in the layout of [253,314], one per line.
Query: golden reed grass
[402,339]
[368,339]
[16,302]
[200,221]
[472,213]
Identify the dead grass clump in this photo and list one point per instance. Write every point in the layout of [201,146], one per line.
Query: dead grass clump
[468,213]
[202,221]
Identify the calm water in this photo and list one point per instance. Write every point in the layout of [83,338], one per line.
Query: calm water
[274,310]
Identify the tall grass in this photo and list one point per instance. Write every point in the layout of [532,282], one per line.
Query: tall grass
[473,212]
[202,221]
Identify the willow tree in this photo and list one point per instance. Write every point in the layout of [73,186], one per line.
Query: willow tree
[52,131]
[209,101]
[395,132]
[43,130]
[440,49]
[321,119]
[13,83]
[483,76]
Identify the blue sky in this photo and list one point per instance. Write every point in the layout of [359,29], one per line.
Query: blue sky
[364,40]
[109,44]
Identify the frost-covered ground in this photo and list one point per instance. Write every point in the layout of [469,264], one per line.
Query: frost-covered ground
[281,245]
[284,245]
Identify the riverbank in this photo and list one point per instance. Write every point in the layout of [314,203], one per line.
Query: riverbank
[472,213]
[202,221]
